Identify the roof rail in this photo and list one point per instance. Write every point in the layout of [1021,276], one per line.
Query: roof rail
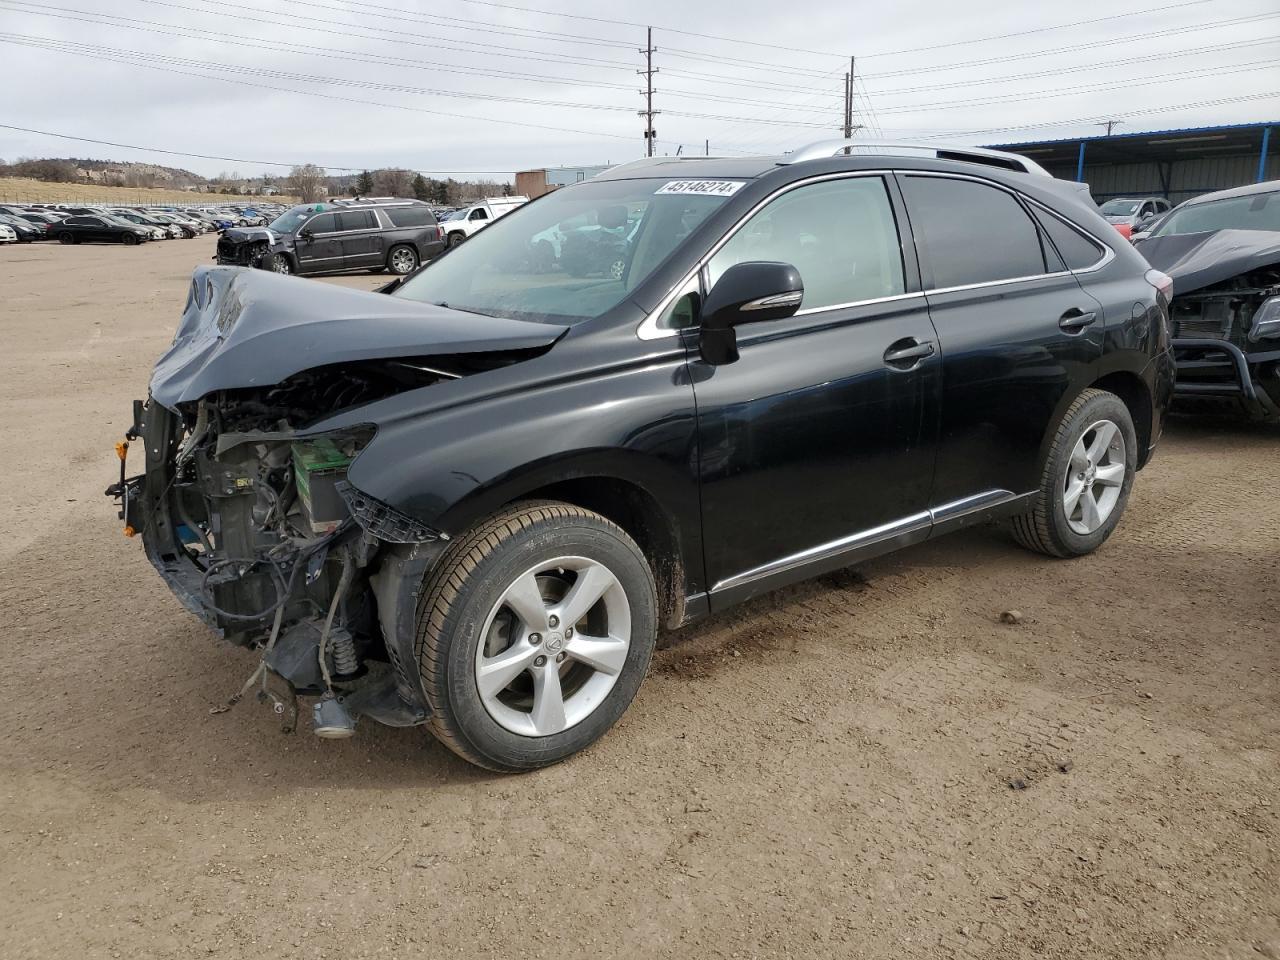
[992,158]
[649,162]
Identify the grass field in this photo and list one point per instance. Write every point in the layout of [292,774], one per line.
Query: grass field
[23,190]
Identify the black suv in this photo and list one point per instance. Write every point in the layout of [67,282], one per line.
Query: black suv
[472,503]
[395,235]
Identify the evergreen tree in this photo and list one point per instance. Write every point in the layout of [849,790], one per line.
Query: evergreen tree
[421,189]
[364,184]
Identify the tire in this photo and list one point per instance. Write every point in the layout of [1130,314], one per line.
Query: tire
[66,237]
[456,238]
[279,263]
[1094,457]
[129,239]
[242,222]
[402,259]
[465,621]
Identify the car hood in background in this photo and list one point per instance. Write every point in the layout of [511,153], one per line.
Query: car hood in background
[249,328]
[1198,260]
[248,234]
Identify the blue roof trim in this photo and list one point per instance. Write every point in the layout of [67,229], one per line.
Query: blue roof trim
[1259,126]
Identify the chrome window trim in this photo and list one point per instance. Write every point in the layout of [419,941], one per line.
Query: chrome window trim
[649,329]
[1107,256]
[917,295]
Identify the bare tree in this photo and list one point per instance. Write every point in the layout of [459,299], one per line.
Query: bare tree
[307,181]
[393,183]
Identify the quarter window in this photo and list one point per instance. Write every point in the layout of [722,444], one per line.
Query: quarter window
[409,216]
[972,233]
[1071,245]
[839,234]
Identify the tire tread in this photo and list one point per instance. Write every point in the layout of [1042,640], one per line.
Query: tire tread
[442,590]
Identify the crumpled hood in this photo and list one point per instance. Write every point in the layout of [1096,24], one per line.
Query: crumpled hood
[1198,260]
[247,328]
[248,234]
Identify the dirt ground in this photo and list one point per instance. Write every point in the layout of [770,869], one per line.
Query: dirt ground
[824,773]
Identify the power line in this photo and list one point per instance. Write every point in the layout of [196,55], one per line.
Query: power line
[326,96]
[172,153]
[1222,101]
[1268,64]
[1026,33]
[153,61]
[1078,68]
[1128,38]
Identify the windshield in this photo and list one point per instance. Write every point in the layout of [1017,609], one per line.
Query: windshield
[1258,211]
[291,220]
[1120,208]
[574,254]
[118,221]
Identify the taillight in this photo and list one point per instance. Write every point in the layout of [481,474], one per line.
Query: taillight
[435,232]
[1124,230]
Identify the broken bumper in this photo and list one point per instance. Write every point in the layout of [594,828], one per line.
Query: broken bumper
[1218,372]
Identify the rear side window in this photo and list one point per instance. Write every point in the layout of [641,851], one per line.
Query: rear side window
[972,233]
[325,223]
[1076,251]
[357,220]
[410,216]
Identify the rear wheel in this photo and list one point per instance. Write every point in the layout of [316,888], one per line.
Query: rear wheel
[402,259]
[66,236]
[534,633]
[1087,478]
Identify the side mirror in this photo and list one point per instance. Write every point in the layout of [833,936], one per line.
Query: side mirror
[746,293]
[305,233]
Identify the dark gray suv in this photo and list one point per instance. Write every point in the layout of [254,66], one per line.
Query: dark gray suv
[394,235]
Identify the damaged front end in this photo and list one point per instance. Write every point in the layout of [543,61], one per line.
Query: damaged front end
[1226,318]
[243,500]
[1227,344]
[245,247]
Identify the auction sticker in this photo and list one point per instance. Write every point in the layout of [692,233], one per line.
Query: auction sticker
[703,188]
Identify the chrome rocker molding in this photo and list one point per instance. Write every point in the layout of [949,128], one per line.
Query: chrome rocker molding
[865,544]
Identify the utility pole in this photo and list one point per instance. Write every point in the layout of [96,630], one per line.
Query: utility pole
[1109,124]
[849,80]
[648,112]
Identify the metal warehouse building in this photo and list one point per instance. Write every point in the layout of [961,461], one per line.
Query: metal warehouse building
[1176,164]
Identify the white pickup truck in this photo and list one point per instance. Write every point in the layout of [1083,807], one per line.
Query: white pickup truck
[467,221]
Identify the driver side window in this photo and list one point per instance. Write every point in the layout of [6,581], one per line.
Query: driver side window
[839,234]
[479,215]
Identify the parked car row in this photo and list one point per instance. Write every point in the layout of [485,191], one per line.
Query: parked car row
[69,223]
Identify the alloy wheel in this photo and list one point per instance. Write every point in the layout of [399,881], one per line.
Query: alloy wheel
[1095,476]
[403,261]
[553,646]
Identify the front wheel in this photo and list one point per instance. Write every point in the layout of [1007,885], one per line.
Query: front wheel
[280,264]
[534,633]
[128,239]
[1087,478]
[456,238]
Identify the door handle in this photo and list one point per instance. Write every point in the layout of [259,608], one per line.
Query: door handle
[906,353]
[1075,320]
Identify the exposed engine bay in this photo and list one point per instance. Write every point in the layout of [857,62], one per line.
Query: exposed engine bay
[244,504]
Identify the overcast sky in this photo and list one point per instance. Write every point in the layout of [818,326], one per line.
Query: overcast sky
[349,84]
